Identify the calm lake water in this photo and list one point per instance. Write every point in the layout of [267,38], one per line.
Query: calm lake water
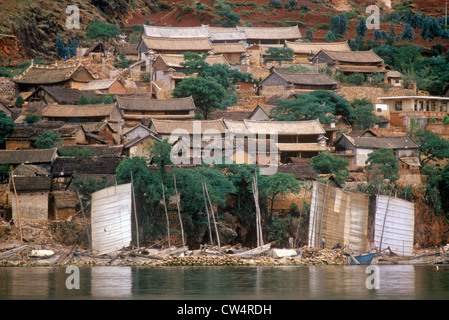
[226,283]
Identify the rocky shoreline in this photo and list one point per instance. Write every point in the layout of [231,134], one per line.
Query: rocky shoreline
[26,256]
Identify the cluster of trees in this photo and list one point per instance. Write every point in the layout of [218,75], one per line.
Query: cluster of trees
[213,87]
[222,181]
[68,51]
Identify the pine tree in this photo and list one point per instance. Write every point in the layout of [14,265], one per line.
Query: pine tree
[309,34]
[361,28]
[330,36]
[408,33]
[343,27]
[60,47]
[335,25]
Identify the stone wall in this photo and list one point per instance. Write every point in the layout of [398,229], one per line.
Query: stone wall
[8,89]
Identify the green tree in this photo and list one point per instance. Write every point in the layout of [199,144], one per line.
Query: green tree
[304,107]
[102,31]
[6,126]
[340,105]
[431,147]
[364,116]
[159,152]
[384,160]
[325,163]
[227,17]
[32,118]
[272,186]
[408,33]
[122,62]
[19,101]
[279,55]
[330,36]
[48,139]
[206,92]
[361,28]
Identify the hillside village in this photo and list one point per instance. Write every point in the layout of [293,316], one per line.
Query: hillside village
[103,113]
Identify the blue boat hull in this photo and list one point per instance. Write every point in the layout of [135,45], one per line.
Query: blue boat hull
[364,259]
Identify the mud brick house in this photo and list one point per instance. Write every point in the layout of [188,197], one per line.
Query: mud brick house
[420,109]
[23,136]
[30,187]
[138,131]
[234,53]
[268,35]
[95,150]
[295,139]
[165,128]
[101,133]
[139,146]
[129,49]
[107,86]
[168,71]
[65,168]
[305,51]
[358,146]
[299,81]
[135,108]
[41,157]
[59,76]
[349,62]
[55,95]
[81,113]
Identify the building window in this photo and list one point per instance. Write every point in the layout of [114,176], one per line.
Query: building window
[421,105]
[415,105]
[443,106]
[398,106]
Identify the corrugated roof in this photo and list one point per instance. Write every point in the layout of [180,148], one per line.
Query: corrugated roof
[37,183]
[175,60]
[97,149]
[228,48]
[27,156]
[307,78]
[46,74]
[98,85]
[191,127]
[77,111]
[64,95]
[143,104]
[401,142]
[176,32]
[300,147]
[178,44]
[315,47]
[285,127]
[309,127]
[67,166]
[270,33]
[227,34]
[353,56]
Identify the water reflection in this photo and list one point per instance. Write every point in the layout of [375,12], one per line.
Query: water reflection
[225,283]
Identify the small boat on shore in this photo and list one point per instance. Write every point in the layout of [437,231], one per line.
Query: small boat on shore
[364,259]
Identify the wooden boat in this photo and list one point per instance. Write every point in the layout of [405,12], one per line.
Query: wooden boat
[364,259]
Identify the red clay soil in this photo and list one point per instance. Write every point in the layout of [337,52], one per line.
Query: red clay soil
[430,229]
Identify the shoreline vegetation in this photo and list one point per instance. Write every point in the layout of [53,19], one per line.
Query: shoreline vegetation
[26,256]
